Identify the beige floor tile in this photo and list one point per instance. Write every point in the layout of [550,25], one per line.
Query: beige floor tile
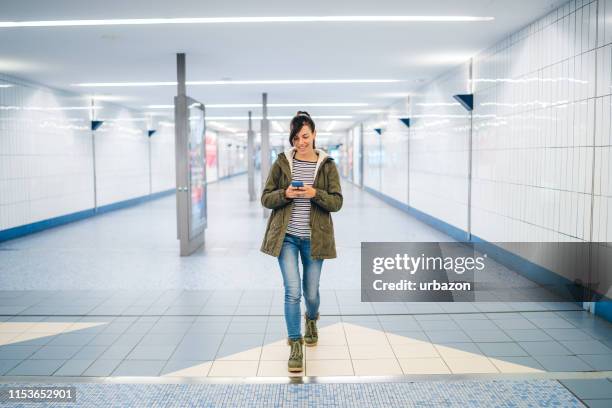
[8,338]
[473,365]
[354,330]
[253,354]
[370,351]
[329,368]
[515,367]
[357,335]
[415,350]
[84,325]
[277,353]
[395,338]
[15,327]
[321,352]
[49,327]
[198,370]
[423,366]
[333,328]
[275,369]
[335,338]
[375,339]
[384,366]
[233,369]
[281,342]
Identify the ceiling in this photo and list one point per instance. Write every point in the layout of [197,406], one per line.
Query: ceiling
[412,52]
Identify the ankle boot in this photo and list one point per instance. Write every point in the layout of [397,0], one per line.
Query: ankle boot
[296,356]
[311,334]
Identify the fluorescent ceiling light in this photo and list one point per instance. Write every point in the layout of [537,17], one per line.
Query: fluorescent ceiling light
[286,134]
[107,98]
[227,20]
[282,134]
[222,127]
[274,117]
[46,108]
[261,82]
[270,105]
[438,104]
[6,86]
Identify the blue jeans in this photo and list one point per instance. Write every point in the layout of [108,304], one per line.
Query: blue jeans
[288,261]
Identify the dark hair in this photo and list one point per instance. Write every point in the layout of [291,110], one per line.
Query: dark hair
[300,119]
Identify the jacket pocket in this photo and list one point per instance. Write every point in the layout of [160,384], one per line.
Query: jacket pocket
[325,224]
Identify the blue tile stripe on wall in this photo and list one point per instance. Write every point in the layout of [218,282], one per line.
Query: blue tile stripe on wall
[42,225]
[532,271]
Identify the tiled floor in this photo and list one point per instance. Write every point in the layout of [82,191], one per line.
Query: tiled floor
[245,346]
[452,394]
[109,296]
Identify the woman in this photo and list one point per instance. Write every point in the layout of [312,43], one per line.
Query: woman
[300,223]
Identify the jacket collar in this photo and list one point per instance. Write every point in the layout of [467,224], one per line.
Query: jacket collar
[289,153]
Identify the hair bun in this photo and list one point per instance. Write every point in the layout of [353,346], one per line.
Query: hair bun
[300,113]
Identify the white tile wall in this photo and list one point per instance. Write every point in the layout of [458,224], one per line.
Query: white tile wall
[232,155]
[394,170]
[45,154]
[534,122]
[163,170]
[356,156]
[372,159]
[122,154]
[439,146]
[542,134]
[346,155]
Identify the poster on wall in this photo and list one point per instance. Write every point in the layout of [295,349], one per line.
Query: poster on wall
[197,170]
[211,155]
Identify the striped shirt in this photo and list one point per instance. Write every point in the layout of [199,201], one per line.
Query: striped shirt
[299,223]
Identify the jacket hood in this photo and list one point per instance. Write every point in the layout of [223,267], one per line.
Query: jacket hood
[289,153]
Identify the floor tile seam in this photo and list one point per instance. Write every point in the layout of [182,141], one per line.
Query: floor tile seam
[397,358]
[261,355]
[159,296]
[571,392]
[133,347]
[347,340]
[175,346]
[552,376]
[225,333]
[450,313]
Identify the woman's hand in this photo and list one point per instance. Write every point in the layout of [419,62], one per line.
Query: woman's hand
[300,192]
[308,191]
[292,192]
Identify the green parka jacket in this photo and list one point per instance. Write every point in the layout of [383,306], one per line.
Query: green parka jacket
[327,199]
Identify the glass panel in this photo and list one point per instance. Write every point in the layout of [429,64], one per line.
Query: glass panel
[357,154]
[197,170]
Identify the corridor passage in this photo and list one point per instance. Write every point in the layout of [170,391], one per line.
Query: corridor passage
[71,308]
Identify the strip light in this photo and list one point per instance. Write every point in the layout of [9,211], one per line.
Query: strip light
[274,117]
[261,82]
[233,20]
[270,105]
[283,134]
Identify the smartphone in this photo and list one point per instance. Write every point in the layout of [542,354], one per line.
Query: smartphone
[297,184]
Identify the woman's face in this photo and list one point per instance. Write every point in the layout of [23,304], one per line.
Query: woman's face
[304,139]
